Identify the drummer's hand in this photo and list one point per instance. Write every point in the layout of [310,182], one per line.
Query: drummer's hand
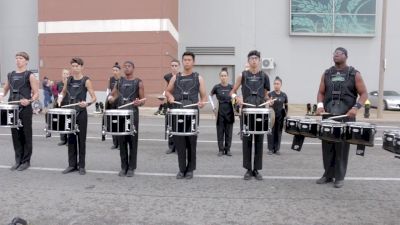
[320,111]
[271,102]
[171,99]
[352,113]
[110,99]
[201,104]
[239,100]
[137,102]
[83,104]
[215,112]
[25,102]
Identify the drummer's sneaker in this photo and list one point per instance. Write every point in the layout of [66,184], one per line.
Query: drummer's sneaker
[270,152]
[220,153]
[228,153]
[169,151]
[257,175]
[324,180]
[130,173]
[15,167]
[189,175]
[180,175]
[69,170]
[338,183]
[24,166]
[277,153]
[82,171]
[248,175]
[122,173]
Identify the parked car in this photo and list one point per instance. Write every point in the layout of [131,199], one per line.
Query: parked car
[391,99]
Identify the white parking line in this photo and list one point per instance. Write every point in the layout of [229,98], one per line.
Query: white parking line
[215,176]
[199,141]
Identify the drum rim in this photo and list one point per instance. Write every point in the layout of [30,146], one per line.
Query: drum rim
[359,125]
[69,111]
[118,112]
[183,111]
[257,110]
[8,106]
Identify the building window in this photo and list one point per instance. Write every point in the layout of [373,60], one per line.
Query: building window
[333,17]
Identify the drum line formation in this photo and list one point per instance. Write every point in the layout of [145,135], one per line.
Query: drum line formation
[184,121]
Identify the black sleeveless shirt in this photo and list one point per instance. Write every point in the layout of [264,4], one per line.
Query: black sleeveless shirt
[340,90]
[128,92]
[254,86]
[76,91]
[20,85]
[186,89]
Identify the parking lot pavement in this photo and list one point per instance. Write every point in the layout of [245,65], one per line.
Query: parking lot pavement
[217,194]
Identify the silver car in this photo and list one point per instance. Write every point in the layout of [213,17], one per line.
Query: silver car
[391,99]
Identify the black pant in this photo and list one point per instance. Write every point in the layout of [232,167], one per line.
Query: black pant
[224,133]
[115,140]
[335,157]
[274,138]
[128,145]
[77,142]
[63,137]
[258,151]
[22,137]
[186,149]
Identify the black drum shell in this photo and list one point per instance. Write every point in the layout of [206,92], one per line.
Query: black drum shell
[292,126]
[4,117]
[308,129]
[391,142]
[360,136]
[334,134]
[256,122]
[56,122]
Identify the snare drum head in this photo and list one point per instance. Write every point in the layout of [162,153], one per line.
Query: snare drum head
[8,106]
[183,111]
[309,121]
[118,112]
[392,132]
[256,111]
[61,111]
[294,118]
[360,124]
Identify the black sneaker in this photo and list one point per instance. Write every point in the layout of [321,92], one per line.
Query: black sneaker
[180,175]
[270,152]
[82,171]
[69,170]
[220,153]
[228,153]
[338,183]
[114,147]
[257,175]
[15,167]
[130,173]
[122,173]
[248,175]
[277,153]
[23,166]
[324,180]
[189,175]
[62,143]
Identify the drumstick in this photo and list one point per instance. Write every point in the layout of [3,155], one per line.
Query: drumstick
[65,106]
[248,104]
[337,117]
[13,102]
[131,103]
[179,103]
[267,102]
[194,104]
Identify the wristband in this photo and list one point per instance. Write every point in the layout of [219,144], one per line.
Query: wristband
[320,105]
[357,105]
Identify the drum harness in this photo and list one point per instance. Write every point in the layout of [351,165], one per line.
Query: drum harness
[15,91]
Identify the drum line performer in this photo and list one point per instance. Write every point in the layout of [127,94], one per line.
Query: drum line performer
[280,107]
[337,95]
[112,81]
[185,88]
[175,64]
[255,87]
[75,91]
[129,89]
[23,87]
[225,115]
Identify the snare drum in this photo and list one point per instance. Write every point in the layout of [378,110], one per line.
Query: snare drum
[308,127]
[182,122]
[61,121]
[292,124]
[256,121]
[9,116]
[330,130]
[391,140]
[360,133]
[118,122]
